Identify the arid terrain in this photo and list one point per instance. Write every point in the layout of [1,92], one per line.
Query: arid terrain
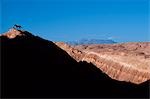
[33,67]
[128,62]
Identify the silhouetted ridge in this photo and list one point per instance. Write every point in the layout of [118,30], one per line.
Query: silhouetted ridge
[34,67]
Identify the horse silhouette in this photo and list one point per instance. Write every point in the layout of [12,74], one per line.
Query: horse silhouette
[17,26]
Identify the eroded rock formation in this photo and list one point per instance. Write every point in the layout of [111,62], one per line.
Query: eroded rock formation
[75,53]
[128,62]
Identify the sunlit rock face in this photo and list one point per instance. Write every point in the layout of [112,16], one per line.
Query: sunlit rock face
[128,62]
[12,33]
[75,53]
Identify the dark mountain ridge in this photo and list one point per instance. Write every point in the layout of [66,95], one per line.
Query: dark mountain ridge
[34,67]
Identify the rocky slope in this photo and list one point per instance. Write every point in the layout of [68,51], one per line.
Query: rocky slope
[36,68]
[128,62]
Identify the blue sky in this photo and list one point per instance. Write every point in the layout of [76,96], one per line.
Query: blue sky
[65,20]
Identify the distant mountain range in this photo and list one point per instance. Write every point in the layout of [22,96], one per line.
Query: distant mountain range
[91,41]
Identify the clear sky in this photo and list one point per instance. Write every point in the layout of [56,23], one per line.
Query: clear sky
[66,20]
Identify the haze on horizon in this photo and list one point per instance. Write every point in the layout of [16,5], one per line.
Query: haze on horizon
[66,20]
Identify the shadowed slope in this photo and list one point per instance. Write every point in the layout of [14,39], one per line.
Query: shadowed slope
[34,67]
